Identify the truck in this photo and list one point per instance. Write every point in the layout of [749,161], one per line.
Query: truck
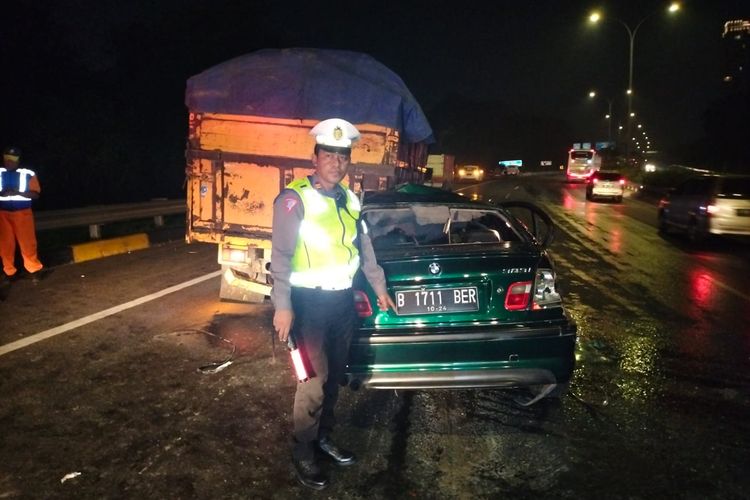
[441,170]
[248,136]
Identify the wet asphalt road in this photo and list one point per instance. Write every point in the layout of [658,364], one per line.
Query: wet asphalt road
[659,406]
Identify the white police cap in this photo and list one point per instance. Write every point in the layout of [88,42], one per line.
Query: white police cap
[335,132]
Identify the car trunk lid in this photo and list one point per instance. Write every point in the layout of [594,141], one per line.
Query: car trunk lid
[455,289]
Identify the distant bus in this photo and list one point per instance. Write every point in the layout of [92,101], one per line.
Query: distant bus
[582,163]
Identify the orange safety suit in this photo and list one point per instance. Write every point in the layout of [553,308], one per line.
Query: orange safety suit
[17,220]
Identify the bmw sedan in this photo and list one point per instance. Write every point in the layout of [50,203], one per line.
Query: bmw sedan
[476,294]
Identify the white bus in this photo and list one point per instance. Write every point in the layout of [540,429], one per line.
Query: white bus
[582,163]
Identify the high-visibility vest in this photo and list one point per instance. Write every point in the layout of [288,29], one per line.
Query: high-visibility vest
[17,179]
[326,256]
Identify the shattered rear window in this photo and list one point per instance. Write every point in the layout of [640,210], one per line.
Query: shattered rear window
[427,225]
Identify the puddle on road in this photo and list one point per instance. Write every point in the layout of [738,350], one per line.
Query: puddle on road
[617,358]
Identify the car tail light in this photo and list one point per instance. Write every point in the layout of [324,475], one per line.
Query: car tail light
[362,304]
[545,292]
[518,296]
[622,182]
[594,180]
[712,209]
[663,203]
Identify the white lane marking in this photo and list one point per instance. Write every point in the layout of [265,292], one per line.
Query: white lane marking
[602,289]
[728,288]
[38,337]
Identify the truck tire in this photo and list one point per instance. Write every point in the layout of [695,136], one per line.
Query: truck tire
[234,293]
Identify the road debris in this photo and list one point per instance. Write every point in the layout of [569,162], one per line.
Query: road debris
[70,475]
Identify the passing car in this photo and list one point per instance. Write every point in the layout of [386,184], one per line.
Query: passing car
[476,294]
[470,173]
[604,184]
[707,205]
[511,170]
[496,172]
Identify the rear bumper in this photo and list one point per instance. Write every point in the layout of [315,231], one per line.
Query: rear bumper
[508,357]
[739,226]
[577,177]
[454,379]
[607,193]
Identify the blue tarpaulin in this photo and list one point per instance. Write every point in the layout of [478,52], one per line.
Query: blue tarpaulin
[315,84]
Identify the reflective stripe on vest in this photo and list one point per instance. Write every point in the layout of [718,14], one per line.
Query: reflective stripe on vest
[325,256]
[24,174]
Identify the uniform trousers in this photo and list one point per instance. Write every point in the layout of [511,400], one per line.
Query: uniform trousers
[18,225]
[324,322]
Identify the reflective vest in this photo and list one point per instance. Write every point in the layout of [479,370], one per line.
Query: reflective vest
[17,179]
[326,256]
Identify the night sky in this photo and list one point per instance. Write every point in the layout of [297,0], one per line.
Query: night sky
[93,91]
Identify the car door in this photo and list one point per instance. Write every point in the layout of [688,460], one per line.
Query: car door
[685,200]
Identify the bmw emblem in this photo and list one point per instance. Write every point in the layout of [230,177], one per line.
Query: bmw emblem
[434,268]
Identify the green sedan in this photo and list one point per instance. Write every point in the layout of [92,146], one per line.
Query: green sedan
[475,289]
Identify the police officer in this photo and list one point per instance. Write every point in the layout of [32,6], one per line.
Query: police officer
[316,250]
[18,186]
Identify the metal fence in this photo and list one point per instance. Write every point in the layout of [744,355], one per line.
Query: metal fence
[95,216]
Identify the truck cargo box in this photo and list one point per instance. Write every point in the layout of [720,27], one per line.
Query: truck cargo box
[249,123]
[238,164]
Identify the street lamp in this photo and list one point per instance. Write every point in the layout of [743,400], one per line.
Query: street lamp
[595,17]
[608,116]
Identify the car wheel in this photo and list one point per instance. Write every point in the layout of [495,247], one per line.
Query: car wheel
[694,234]
[589,195]
[663,227]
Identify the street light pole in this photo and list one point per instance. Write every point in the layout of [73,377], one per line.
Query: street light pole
[594,18]
[592,95]
[629,91]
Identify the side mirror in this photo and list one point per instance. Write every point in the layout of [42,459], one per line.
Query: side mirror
[536,221]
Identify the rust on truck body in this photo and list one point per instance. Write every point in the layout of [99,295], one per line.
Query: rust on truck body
[236,165]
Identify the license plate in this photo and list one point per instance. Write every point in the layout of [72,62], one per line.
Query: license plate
[743,212]
[437,300]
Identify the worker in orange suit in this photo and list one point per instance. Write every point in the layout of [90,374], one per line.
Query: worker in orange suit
[18,186]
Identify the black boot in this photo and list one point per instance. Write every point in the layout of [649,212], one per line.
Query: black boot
[339,456]
[308,474]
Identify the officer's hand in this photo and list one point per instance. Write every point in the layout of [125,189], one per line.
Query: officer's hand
[282,323]
[385,301]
